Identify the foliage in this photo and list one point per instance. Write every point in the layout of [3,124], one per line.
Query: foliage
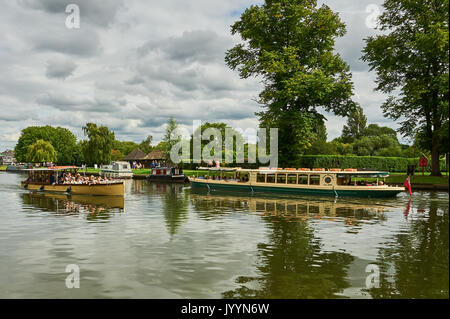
[146,145]
[222,127]
[41,151]
[97,149]
[125,147]
[63,141]
[391,164]
[289,44]
[411,59]
[117,155]
[356,124]
[169,139]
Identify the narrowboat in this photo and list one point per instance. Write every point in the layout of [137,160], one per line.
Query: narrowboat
[167,174]
[117,170]
[331,182]
[65,179]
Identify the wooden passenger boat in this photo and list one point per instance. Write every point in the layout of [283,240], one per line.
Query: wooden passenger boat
[167,174]
[46,179]
[298,181]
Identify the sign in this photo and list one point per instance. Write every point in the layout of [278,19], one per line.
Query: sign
[423,162]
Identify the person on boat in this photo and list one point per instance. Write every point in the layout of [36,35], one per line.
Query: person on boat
[52,179]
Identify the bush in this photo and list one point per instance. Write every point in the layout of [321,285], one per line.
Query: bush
[377,163]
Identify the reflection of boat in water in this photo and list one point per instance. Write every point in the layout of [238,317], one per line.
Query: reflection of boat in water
[288,206]
[333,182]
[73,203]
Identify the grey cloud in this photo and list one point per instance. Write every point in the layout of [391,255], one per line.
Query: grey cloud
[198,45]
[74,103]
[101,13]
[78,42]
[60,69]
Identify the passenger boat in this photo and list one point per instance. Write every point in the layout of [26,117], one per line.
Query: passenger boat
[48,179]
[167,174]
[332,182]
[117,170]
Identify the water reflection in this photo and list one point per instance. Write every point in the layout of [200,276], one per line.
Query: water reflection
[415,263]
[292,263]
[96,208]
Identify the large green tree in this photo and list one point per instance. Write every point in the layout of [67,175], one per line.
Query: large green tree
[356,124]
[41,151]
[411,59]
[290,45]
[97,149]
[63,141]
[169,139]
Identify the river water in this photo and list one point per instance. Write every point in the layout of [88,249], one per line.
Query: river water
[167,241]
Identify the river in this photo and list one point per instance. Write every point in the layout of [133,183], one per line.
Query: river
[167,241]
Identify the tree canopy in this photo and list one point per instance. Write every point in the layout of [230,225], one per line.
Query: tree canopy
[411,59]
[41,151]
[289,44]
[62,140]
[97,149]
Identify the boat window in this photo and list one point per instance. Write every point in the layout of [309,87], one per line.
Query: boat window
[292,179]
[270,178]
[281,178]
[261,178]
[314,180]
[303,179]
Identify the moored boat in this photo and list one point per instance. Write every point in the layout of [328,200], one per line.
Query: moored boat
[55,180]
[117,170]
[167,174]
[332,182]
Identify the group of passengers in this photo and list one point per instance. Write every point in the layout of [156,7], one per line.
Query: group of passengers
[78,179]
[225,178]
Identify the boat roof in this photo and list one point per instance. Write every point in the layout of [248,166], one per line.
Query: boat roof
[287,171]
[52,169]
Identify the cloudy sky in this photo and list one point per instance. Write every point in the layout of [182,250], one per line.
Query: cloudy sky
[133,64]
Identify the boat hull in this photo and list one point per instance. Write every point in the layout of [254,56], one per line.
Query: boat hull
[359,192]
[167,178]
[113,189]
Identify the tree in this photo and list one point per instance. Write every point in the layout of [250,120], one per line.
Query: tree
[238,139]
[169,139]
[63,141]
[412,58]
[125,147]
[146,145]
[356,124]
[289,43]
[98,147]
[41,151]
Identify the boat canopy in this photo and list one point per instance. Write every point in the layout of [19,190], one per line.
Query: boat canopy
[53,169]
[339,173]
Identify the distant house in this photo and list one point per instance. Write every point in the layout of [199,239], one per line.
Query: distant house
[136,156]
[7,157]
[156,157]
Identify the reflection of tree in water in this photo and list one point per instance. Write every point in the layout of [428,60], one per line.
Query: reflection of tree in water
[175,207]
[415,263]
[64,205]
[292,265]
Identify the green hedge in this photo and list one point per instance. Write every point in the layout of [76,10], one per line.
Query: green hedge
[378,163]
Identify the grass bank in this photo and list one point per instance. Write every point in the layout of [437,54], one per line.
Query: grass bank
[3,168]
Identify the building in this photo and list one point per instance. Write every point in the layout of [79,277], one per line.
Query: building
[7,157]
[156,157]
[136,156]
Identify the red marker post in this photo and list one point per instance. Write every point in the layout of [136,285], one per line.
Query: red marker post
[423,162]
